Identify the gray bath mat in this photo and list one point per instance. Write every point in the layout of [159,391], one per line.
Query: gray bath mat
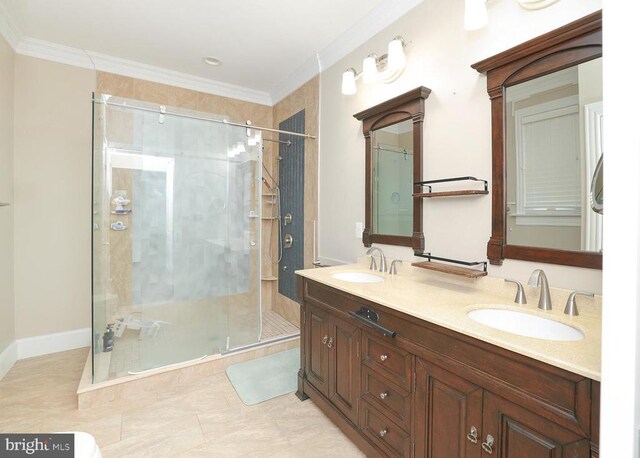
[265,378]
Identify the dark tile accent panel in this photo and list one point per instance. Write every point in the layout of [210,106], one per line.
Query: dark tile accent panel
[291,180]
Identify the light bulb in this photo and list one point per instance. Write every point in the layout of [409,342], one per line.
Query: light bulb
[349,82]
[369,69]
[475,14]
[396,59]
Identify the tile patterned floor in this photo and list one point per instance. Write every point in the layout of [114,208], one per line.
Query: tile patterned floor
[204,419]
[274,325]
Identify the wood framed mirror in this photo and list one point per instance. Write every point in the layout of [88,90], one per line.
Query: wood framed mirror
[393,163]
[537,103]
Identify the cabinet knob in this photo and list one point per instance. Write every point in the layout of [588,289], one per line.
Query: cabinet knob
[383,357]
[488,445]
[384,394]
[324,339]
[383,432]
[473,435]
[330,343]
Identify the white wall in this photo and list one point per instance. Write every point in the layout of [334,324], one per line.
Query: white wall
[457,130]
[52,192]
[620,414]
[7,318]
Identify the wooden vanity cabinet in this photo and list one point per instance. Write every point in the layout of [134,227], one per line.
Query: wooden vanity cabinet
[457,419]
[333,359]
[432,392]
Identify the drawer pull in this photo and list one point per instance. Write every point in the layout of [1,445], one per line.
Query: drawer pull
[473,435]
[383,357]
[383,432]
[488,446]
[330,343]
[370,318]
[324,339]
[384,394]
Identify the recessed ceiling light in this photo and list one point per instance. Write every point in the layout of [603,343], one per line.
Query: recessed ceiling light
[212,61]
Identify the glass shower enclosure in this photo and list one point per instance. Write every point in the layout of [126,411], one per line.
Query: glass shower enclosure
[176,237]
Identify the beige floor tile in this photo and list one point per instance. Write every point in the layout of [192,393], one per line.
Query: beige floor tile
[166,440]
[191,418]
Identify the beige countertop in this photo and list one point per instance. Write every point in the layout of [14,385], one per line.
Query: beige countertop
[444,300]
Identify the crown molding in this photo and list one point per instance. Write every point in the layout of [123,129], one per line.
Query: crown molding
[9,29]
[303,74]
[370,25]
[46,50]
[378,19]
[105,63]
[133,69]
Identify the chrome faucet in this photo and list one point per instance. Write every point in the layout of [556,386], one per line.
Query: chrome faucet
[521,298]
[383,261]
[571,308]
[393,270]
[538,278]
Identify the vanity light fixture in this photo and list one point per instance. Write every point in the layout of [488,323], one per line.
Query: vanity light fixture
[475,11]
[383,69]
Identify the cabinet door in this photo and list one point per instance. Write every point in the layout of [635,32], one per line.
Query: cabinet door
[519,433]
[316,349]
[344,368]
[448,414]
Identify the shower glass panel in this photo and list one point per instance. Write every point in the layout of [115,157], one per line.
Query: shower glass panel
[176,237]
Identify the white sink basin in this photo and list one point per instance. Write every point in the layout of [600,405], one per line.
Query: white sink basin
[357,277]
[525,324]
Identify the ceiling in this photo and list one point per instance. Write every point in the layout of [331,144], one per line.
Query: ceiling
[261,43]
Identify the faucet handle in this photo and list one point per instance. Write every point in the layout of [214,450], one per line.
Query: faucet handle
[393,270]
[571,308]
[373,265]
[521,298]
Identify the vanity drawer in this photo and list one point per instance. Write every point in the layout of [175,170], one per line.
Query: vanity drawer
[388,360]
[390,399]
[384,432]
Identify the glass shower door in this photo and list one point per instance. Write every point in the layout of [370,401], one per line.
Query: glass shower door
[176,238]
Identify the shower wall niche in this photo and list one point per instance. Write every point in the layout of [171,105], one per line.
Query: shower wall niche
[176,237]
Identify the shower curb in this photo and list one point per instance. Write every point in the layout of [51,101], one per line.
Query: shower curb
[146,386]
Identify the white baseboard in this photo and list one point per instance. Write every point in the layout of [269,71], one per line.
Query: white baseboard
[8,358]
[53,343]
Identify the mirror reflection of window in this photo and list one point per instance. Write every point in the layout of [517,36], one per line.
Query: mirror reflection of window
[553,135]
[393,179]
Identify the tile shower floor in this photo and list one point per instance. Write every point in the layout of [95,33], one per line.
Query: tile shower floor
[131,354]
[204,419]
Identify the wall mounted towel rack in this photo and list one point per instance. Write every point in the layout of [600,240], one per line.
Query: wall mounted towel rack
[463,192]
[455,270]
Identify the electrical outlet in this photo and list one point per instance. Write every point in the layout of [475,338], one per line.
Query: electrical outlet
[359,229]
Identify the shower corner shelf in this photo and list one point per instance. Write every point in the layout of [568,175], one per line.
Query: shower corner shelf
[448,269]
[462,192]
[269,278]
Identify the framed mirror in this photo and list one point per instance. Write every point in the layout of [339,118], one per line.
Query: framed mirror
[546,104]
[393,162]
